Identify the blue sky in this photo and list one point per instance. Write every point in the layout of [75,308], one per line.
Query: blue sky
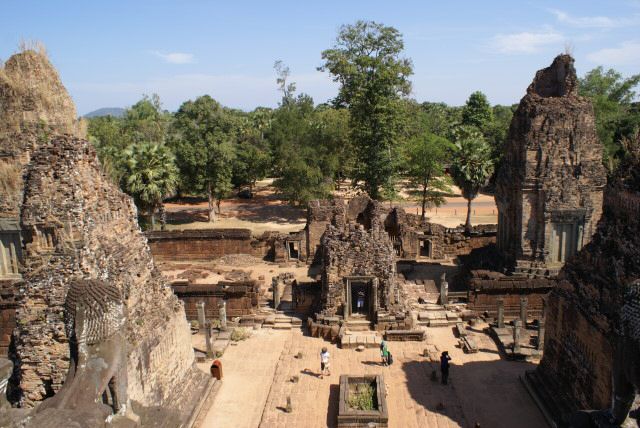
[109,53]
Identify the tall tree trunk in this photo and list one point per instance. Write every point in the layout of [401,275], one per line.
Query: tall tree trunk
[424,201]
[211,214]
[163,217]
[467,225]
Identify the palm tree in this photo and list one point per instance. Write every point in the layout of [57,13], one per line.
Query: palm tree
[150,176]
[471,168]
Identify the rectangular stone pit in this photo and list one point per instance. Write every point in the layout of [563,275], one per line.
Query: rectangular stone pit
[353,418]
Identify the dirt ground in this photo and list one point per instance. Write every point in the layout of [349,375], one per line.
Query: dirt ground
[266,212]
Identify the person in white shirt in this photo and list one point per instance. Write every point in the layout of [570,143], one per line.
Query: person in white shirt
[324,363]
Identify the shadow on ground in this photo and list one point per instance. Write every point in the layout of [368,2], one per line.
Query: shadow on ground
[485,392]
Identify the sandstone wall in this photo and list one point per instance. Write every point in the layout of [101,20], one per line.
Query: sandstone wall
[76,223]
[241,298]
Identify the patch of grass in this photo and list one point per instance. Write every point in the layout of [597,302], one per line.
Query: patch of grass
[10,177]
[239,334]
[363,397]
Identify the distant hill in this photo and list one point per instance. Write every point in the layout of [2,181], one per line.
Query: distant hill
[106,111]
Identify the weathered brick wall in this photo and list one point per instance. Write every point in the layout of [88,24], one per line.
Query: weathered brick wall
[578,355]
[205,244]
[583,321]
[552,170]
[76,223]
[356,252]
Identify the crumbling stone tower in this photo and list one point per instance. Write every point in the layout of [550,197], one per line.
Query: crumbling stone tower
[591,357]
[549,188]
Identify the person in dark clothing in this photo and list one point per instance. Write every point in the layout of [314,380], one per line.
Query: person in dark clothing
[444,367]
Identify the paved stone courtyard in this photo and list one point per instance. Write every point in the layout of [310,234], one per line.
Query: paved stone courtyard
[258,378]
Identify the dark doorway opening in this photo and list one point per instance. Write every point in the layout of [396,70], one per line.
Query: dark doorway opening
[360,299]
[294,250]
[424,249]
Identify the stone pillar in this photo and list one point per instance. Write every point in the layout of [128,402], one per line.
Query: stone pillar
[444,289]
[541,325]
[517,324]
[276,293]
[201,316]
[500,312]
[222,311]
[541,335]
[207,336]
[523,311]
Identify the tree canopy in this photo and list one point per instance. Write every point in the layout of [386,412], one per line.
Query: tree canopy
[373,78]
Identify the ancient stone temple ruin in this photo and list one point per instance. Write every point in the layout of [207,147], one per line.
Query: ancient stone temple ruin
[77,224]
[591,357]
[549,189]
[33,104]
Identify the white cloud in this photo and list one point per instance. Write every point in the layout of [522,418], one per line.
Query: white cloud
[627,53]
[175,57]
[526,42]
[593,21]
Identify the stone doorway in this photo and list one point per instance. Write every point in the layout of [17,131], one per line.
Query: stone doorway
[360,302]
[293,249]
[425,249]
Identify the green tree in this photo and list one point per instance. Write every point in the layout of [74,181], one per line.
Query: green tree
[477,112]
[373,79]
[252,163]
[107,136]
[617,116]
[150,176]
[330,140]
[203,139]
[146,121]
[425,167]
[471,168]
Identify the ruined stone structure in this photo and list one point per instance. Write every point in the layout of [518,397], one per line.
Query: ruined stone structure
[241,298]
[593,314]
[358,269]
[416,239]
[33,105]
[76,223]
[549,189]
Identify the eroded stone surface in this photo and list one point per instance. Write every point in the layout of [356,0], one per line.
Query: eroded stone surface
[549,189]
[77,224]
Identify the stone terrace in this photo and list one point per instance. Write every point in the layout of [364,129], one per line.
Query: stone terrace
[483,388]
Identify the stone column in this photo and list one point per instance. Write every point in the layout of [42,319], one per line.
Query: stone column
[207,336]
[523,311]
[517,324]
[444,289]
[500,312]
[222,312]
[541,335]
[276,293]
[201,316]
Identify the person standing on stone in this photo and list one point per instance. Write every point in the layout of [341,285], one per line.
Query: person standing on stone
[384,352]
[324,362]
[444,366]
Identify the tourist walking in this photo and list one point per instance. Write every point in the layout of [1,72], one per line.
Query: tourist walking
[324,363]
[444,366]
